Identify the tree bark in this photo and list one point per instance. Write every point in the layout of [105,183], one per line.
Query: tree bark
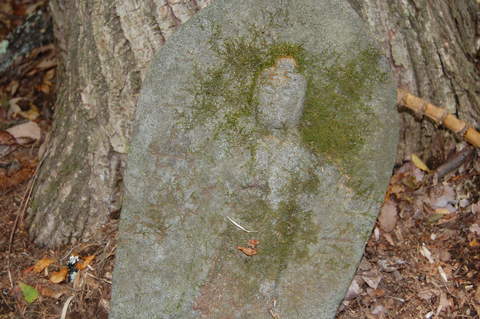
[433,48]
[106,46]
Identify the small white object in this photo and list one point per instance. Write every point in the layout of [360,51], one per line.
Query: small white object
[65,307]
[240,226]
[442,274]
[426,253]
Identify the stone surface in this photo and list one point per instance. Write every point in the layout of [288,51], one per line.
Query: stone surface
[265,120]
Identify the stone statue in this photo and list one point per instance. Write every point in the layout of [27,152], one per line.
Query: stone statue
[221,158]
[280,156]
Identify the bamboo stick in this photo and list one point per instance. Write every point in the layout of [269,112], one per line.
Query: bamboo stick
[439,115]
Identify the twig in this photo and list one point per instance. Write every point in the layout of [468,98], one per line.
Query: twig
[65,307]
[240,226]
[439,115]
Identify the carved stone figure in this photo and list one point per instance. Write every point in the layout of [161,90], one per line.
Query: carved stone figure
[264,142]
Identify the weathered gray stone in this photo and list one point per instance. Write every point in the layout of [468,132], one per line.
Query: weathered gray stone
[274,116]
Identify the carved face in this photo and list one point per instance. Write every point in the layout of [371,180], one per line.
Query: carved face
[281,94]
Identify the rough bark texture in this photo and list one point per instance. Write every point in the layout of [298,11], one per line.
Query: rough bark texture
[433,49]
[107,44]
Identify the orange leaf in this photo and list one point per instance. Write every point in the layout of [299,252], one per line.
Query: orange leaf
[82,265]
[247,251]
[252,243]
[42,264]
[474,243]
[28,270]
[59,276]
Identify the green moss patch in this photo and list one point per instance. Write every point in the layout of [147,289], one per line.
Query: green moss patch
[337,117]
[232,83]
[284,234]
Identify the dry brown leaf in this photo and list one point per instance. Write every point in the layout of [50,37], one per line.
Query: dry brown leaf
[253,243]
[51,292]
[14,106]
[18,177]
[354,290]
[13,87]
[44,87]
[372,279]
[86,261]
[7,139]
[474,228]
[388,216]
[59,276]
[247,250]
[23,107]
[477,295]
[49,75]
[442,196]
[42,264]
[46,64]
[25,132]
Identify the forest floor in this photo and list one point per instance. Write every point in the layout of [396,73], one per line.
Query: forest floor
[421,261]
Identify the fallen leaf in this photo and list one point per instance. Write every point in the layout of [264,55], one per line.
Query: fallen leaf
[12,87]
[59,276]
[46,64]
[474,243]
[87,260]
[26,132]
[19,176]
[354,290]
[253,243]
[419,163]
[426,253]
[426,295]
[52,293]
[443,304]
[30,294]
[23,107]
[474,228]
[247,251]
[442,274]
[44,87]
[372,279]
[378,310]
[441,197]
[7,139]
[42,264]
[442,211]
[477,295]
[388,216]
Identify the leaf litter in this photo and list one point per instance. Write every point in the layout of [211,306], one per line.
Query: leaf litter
[425,249]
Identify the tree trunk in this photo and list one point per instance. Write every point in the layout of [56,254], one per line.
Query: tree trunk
[107,44]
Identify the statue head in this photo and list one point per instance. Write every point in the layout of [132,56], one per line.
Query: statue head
[281,93]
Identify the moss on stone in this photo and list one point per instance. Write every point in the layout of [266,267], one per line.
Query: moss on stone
[283,233]
[232,83]
[337,118]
